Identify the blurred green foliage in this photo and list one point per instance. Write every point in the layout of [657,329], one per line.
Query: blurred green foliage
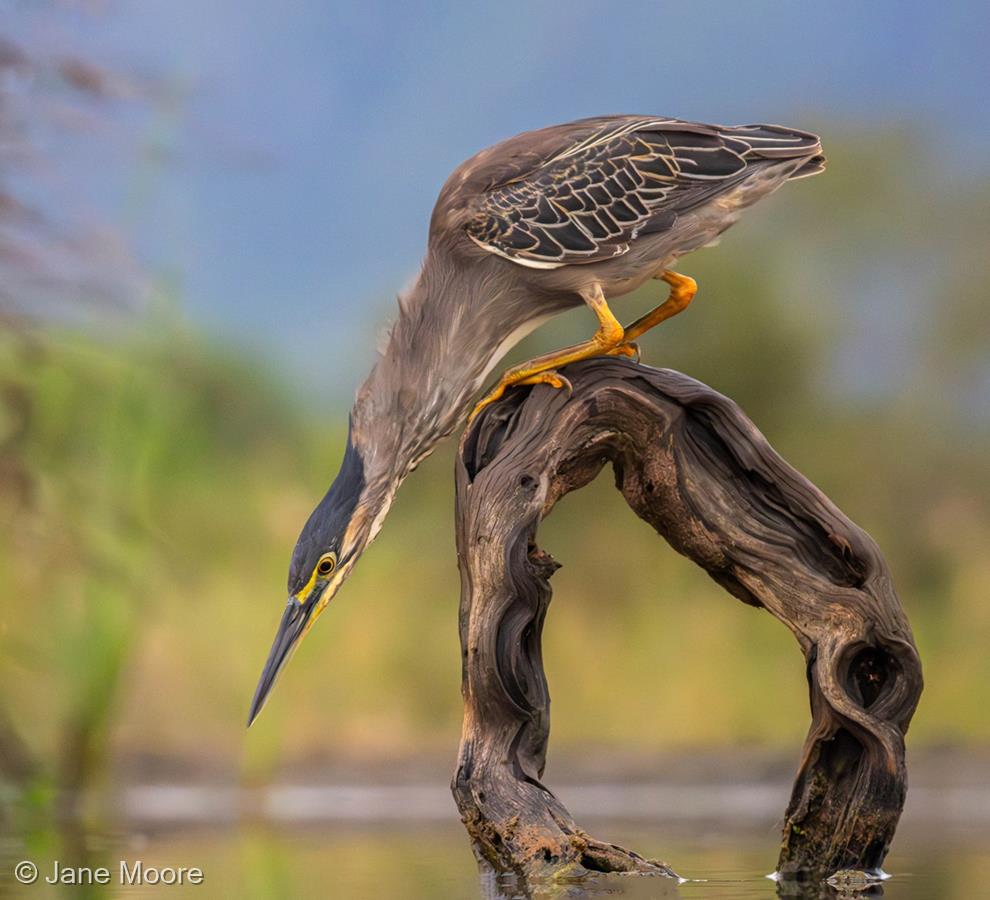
[153,483]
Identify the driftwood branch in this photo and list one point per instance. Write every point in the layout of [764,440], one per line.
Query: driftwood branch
[690,463]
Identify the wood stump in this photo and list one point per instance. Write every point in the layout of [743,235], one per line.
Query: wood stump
[689,462]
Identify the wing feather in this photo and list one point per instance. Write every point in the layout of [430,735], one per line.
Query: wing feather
[626,178]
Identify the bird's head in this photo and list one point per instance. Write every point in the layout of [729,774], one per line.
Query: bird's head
[330,543]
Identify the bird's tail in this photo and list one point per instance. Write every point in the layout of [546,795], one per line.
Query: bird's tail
[814,166]
[775,142]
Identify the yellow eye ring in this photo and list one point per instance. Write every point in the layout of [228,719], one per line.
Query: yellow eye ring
[326,565]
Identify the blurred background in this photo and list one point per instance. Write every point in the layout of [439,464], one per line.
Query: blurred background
[204,220]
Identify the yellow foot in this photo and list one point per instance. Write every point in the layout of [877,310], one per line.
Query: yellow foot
[609,340]
[548,376]
[629,349]
[551,377]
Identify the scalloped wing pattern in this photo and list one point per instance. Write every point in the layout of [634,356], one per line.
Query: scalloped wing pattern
[588,202]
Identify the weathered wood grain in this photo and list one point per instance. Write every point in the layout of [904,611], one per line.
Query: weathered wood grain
[689,462]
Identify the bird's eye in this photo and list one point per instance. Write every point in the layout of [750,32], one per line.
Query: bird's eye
[326,564]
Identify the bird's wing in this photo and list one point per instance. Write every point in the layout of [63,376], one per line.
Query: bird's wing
[627,178]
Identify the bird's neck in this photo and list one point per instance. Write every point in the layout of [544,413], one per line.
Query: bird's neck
[453,325]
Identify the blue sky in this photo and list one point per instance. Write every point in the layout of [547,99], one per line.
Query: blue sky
[311,138]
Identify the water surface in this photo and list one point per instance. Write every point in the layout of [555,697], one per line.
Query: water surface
[287,849]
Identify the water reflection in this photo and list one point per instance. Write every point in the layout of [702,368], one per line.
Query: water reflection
[434,862]
[511,886]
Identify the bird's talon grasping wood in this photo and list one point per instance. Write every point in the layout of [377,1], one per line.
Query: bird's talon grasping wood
[547,376]
[551,377]
[611,339]
[608,340]
[628,349]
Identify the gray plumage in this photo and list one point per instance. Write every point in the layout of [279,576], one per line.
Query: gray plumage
[521,231]
[496,266]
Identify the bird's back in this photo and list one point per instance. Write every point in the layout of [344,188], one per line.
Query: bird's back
[585,191]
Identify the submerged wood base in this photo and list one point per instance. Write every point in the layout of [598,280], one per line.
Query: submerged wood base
[690,463]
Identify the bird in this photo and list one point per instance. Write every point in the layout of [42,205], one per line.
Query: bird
[564,216]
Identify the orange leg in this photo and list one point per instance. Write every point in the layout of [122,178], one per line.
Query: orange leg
[542,369]
[611,339]
[682,291]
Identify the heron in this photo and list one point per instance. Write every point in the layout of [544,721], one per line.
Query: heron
[569,215]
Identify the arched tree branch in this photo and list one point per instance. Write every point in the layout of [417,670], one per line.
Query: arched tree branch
[690,463]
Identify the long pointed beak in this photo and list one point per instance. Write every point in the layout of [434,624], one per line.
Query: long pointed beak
[290,630]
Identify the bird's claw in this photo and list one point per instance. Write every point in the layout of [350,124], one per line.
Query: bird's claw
[628,349]
[551,377]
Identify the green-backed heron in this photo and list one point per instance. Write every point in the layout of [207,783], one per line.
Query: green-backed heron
[540,223]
